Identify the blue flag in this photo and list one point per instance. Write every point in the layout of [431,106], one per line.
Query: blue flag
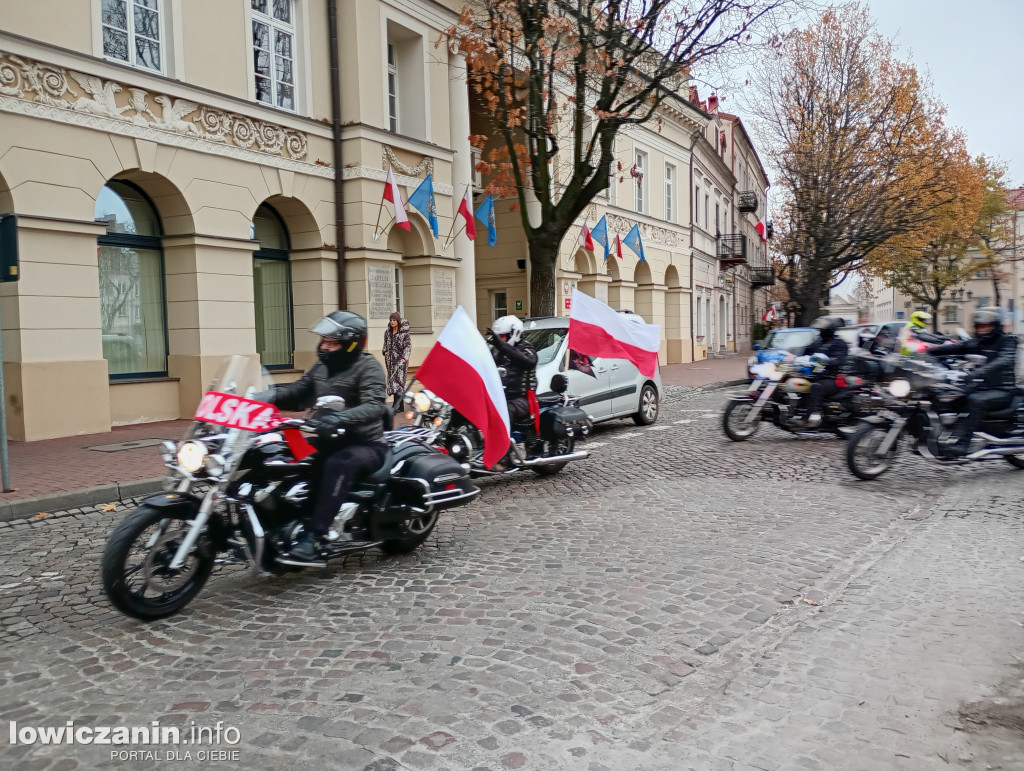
[632,240]
[600,235]
[422,199]
[485,213]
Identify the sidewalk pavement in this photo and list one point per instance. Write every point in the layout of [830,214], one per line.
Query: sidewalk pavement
[80,471]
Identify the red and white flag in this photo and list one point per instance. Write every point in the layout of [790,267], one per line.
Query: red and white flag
[597,330]
[460,370]
[618,246]
[466,210]
[391,193]
[585,240]
[759,227]
[769,315]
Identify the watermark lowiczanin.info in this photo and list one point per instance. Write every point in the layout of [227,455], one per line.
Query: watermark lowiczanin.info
[153,734]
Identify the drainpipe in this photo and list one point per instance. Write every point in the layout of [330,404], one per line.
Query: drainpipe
[339,182]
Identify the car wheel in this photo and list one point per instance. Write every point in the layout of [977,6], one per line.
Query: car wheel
[648,407]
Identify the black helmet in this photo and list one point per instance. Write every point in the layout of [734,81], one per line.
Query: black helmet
[828,329]
[991,319]
[347,328]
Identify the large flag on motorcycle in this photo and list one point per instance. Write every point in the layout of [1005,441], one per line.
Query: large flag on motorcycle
[460,370]
[597,330]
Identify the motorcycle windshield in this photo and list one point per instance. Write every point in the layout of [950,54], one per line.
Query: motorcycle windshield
[231,400]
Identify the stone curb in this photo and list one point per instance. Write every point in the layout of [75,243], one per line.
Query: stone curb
[76,499]
[725,384]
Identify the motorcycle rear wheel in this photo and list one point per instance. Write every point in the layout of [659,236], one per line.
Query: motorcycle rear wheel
[734,421]
[420,529]
[174,588]
[554,448]
[862,457]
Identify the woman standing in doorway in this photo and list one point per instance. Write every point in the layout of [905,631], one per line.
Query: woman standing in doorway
[397,350]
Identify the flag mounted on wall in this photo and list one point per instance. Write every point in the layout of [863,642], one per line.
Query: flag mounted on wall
[760,228]
[422,199]
[485,213]
[632,240]
[585,240]
[600,234]
[392,194]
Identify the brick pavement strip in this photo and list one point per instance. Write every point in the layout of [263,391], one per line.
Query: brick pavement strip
[644,609]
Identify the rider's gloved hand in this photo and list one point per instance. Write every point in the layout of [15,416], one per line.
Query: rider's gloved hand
[326,427]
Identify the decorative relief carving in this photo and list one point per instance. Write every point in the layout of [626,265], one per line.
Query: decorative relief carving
[664,236]
[48,85]
[388,157]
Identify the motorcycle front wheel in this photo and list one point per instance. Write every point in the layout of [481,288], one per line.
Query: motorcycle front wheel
[862,456]
[735,422]
[136,571]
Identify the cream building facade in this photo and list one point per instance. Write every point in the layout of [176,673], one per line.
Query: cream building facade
[171,168]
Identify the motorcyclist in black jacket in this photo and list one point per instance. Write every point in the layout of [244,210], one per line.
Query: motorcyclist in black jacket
[836,349]
[990,382]
[519,358]
[344,370]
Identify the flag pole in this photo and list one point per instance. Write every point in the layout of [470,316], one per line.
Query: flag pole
[376,228]
[449,243]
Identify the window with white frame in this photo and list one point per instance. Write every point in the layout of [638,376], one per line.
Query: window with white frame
[392,88]
[499,304]
[707,209]
[670,192]
[640,199]
[133,32]
[696,207]
[273,51]
[718,219]
[698,317]
[951,314]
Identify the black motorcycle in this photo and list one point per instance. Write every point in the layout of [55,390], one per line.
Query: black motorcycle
[924,409]
[243,484]
[775,394]
[545,452]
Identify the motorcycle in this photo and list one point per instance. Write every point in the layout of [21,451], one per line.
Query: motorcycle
[926,406]
[544,444]
[775,393]
[240,489]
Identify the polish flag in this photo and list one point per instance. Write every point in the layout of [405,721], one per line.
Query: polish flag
[759,227]
[460,370]
[618,246]
[466,210]
[392,194]
[585,239]
[597,330]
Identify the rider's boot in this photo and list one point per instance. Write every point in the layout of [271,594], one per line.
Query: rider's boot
[814,420]
[305,548]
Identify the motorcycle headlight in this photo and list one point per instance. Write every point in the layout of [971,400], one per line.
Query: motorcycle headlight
[900,388]
[191,456]
[422,402]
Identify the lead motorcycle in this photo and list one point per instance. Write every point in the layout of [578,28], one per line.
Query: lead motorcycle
[924,409]
[544,444]
[775,394]
[244,482]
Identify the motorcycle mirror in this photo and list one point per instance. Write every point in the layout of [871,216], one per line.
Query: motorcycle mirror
[330,403]
[559,383]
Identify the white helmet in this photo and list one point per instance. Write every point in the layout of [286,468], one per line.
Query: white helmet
[508,325]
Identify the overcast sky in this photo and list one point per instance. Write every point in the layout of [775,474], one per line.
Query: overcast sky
[974,51]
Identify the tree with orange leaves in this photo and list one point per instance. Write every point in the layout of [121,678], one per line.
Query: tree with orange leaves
[927,262]
[559,80]
[863,155]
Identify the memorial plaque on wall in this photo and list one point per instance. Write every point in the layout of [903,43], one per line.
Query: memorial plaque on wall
[381,279]
[444,293]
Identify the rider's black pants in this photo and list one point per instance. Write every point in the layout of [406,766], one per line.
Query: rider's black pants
[341,471]
[820,390]
[518,410]
[978,404]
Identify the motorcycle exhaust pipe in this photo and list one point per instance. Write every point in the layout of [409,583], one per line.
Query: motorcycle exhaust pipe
[995,452]
[578,455]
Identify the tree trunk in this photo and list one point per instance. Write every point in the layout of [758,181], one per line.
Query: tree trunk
[995,287]
[543,261]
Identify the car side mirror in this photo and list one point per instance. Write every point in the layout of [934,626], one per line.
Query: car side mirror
[330,403]
[757,346]
[559,383]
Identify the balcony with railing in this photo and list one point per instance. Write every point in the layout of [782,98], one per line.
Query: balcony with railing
[732,250]
[748,201]
[761,277]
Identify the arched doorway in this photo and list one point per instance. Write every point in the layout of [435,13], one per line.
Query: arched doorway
[676,313]
[133,312]
[272,289]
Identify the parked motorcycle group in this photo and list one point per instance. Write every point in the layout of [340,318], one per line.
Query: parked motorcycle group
[243,486]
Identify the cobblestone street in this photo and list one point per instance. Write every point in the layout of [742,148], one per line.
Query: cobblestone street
[677,601]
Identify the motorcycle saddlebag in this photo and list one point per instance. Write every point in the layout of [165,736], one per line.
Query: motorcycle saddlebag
[429,478]
[559,423]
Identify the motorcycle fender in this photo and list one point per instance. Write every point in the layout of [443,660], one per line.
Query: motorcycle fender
[173,501]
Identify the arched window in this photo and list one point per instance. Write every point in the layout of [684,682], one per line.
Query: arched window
[272,289]
[131,272]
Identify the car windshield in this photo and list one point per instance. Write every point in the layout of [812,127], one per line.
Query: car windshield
[789,339]
[546,341]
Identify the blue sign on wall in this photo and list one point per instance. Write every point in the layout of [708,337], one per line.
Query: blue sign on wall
[899,314]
